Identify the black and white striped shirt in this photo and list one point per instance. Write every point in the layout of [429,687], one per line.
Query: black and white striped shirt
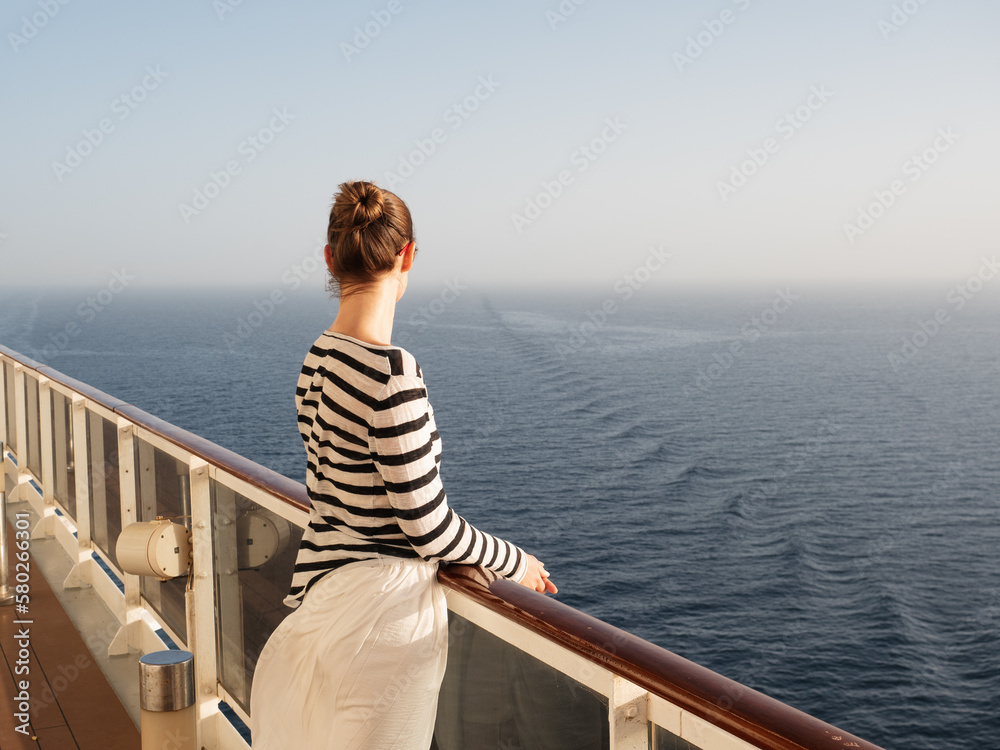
[373,453]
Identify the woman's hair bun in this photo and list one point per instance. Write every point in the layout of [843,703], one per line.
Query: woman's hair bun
[368,228]
[358,205]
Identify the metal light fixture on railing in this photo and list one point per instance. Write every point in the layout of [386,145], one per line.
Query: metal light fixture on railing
[260,537]
[158,548]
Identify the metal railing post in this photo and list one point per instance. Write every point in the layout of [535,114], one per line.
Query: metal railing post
[79,575]
[45,527]
[3,403]
[200,605]
[81,461]
[126,500]
[45,443]
[6,592]
[21,432]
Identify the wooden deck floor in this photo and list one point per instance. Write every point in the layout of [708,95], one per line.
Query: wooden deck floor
[72,704]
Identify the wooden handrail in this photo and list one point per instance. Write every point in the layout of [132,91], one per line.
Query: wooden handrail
[292,492]
[725,703]
[735,708]
[278,485]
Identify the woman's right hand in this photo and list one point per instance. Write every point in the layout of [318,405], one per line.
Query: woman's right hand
[537,577]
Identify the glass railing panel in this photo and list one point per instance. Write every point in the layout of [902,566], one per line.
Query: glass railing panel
[34,452]
[495,695]
[254,551]
[9,393]
[62,453]
[105,496]
[661,739]
[163,490]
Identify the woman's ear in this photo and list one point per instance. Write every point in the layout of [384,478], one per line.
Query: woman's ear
[407,253]
[328,254]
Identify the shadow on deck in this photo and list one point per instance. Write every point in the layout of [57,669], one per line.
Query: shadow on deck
[72,704]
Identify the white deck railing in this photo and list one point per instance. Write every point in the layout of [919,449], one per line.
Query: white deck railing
[90,465]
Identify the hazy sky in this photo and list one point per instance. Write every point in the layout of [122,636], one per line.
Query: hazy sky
[200,142]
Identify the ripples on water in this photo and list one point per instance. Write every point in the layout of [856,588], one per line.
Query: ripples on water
[800,518]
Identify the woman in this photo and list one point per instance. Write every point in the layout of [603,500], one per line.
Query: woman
[359,662]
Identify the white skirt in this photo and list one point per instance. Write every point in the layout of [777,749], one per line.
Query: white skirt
[358,665]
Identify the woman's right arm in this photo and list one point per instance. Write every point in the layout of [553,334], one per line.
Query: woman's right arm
[401,441]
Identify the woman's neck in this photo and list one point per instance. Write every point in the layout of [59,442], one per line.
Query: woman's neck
[366,314]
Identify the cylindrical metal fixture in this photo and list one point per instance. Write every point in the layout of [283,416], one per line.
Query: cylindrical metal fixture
[155,548]
[6,593]
[166,680]
[167,700]
[260,535]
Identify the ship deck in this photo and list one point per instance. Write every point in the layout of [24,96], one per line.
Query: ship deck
[73,704]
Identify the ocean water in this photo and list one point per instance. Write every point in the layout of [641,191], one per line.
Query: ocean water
[748,479]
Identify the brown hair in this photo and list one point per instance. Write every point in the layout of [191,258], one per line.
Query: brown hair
[368,227]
